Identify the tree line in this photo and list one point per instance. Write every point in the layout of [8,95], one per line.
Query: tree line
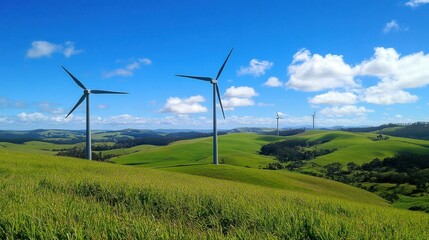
[403,168]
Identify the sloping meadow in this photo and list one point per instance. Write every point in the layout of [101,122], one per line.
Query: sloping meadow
[44,197]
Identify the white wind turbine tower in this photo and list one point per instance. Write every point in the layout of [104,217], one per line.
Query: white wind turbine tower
[86,93]
[278,117]
[314,115]
[214,82]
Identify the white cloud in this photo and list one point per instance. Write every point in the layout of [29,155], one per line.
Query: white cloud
[231,103]
[342,111]
[385,96]
[70,50]
[129,69]
[316,72]
[334,98]
[240,92]
[185,105]
[256,68]
[416,3]
[46,49]
[392,25]
[410,71]
[31,117]
[238,97]
[273,82]
[394,72]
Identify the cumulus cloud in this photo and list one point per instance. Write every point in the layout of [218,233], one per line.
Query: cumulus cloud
[240,92]
[391,26]
[398,72]
[129,69]
[31,117]
[316,72]
[238,97]
[342,111]
[184,105]
[41,49]
[69,49]
[256,68]
[394,73]
[334,98]
[416,3]
[232,103]
[273,82]
[386,96]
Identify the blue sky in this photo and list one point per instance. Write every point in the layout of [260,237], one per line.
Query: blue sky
[354,62]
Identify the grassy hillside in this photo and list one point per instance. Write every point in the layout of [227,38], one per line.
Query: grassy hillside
[47,197]
[35,147]
[360,147]
[234,149]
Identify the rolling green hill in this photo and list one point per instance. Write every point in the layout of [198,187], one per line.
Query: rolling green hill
[360,147]
[47,197]
[239,153]
[242,149]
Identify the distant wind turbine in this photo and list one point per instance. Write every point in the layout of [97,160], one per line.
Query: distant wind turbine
[278,117]
[314,115]
[215,92]
[85,95]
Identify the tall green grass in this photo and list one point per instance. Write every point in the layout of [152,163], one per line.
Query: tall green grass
[45,197]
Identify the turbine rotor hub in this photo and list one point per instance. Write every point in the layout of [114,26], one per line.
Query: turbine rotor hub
[87,91]
[213,81]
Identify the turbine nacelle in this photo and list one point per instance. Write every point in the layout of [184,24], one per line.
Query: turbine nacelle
[87,91]
[213,81]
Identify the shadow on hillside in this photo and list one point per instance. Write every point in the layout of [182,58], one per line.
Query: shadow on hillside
[183,165]
[268,138]
[134,164]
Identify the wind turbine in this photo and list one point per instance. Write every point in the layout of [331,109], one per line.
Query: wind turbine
[278,117]
[86,93]
[314,115]
[215,92]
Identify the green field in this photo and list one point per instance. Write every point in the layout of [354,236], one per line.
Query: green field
[174,192]
[46,197]
[234,149]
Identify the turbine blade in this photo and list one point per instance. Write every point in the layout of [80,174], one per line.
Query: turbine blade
[106,92]
[314,113]
[74,78]
[278,114]
[208,79]
[221,68]
[220,101]
[77,104]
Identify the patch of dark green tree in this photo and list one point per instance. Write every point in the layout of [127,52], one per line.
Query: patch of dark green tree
[407,174]
[293,150]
